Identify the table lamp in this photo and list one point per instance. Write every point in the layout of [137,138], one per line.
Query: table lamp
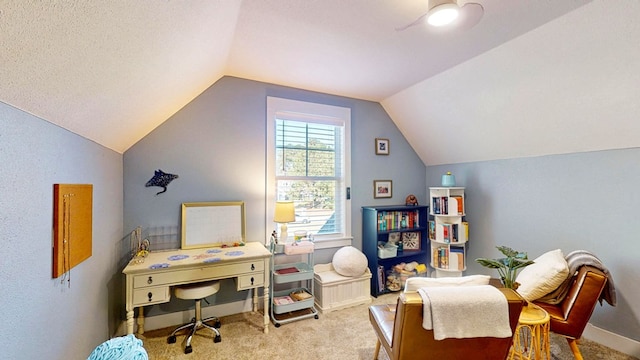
[285,213]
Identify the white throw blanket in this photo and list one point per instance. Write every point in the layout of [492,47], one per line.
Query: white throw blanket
[465,312]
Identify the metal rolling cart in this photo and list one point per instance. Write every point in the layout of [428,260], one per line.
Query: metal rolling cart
[296,301]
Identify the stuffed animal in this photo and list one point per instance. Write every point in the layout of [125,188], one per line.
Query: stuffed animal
[411,200]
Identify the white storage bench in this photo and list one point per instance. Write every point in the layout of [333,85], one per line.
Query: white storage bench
[334,291]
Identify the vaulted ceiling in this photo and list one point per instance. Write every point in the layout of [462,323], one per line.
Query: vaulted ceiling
[112,71]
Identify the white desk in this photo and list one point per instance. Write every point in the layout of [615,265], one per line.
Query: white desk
[150,282]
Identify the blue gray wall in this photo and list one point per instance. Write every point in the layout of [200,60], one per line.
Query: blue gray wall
[42,318]
[216,144]
[578,201]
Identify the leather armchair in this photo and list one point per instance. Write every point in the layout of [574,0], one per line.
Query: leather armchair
[399,330]
[570,317]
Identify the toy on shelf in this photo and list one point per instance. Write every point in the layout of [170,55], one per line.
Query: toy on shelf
[399,274]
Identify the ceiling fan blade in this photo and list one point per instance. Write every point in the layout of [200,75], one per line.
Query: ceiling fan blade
[419,20]
[470,15]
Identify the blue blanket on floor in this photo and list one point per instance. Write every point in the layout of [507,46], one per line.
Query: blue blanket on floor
[121,348]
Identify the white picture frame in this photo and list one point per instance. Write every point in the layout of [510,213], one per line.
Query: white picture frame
[212,224]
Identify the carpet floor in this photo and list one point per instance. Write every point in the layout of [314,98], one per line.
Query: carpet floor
[342,334]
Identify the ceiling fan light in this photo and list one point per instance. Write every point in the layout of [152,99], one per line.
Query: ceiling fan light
[441,15]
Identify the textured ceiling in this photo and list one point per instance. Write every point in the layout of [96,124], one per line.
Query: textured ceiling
[112,71]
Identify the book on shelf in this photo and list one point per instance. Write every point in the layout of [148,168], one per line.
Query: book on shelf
[452,233]
[396,220]
[432,230]
[444,232]
[300,295]
[459,204]
[456,260]
[287,270]
[441,257]
[381,278]
[441,205]
[283,300]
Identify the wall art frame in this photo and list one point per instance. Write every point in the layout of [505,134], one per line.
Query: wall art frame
[382,189]
[382,146]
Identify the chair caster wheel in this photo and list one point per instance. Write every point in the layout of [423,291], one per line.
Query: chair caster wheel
[188,350]
[217,339]
[171,339]
[217,324]
[277,325]
[316,317]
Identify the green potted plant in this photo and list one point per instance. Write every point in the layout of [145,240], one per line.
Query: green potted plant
[508,266]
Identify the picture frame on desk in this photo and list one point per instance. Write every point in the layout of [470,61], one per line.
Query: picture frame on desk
[411,240]
[382,189]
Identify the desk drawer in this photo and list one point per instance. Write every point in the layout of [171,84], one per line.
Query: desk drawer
[172,277]
[250,281]
[151,295]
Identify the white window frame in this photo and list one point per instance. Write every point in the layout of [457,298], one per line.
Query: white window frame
[302,109]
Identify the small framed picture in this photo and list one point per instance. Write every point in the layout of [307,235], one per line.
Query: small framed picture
[382,146]
[394,237]
[411,240]
[382,189]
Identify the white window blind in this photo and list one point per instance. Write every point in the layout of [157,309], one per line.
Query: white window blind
[308,164]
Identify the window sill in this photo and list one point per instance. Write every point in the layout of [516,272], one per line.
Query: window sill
[328,243]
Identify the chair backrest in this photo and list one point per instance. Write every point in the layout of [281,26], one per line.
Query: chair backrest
[412,341]
[570,317]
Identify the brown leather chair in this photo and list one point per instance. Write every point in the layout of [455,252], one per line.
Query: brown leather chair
[570,317]
[399,330]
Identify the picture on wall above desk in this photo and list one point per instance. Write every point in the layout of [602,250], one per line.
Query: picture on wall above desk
[210,224]
[161,179]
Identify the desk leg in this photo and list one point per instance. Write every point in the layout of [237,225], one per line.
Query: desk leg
[140,320]
[129,320]
[255,299]
[266,309]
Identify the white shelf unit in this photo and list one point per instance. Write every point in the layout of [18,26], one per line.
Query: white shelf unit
[300,278]
[448,231]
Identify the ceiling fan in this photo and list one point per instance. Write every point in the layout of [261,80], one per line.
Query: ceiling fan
[448,14]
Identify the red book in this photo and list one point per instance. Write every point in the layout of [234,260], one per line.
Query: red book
[288,270]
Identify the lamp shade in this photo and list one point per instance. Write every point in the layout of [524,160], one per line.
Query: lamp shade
[285,212]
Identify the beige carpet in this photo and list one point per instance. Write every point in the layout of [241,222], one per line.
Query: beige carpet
[342,334]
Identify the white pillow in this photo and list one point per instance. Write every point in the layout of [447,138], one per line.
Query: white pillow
[349,261]
[414,283]
[547,272]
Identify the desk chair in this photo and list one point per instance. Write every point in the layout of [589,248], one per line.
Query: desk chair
[197,292]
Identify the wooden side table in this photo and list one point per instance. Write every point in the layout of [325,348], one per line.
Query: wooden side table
[531,338]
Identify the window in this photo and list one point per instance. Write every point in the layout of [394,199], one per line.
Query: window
[308,158]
